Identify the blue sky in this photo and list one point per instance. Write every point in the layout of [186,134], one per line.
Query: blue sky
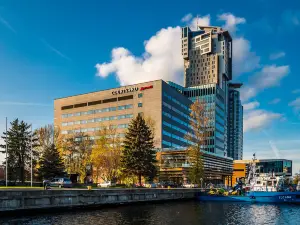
[50,49]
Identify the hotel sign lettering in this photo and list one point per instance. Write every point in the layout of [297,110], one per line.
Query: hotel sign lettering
[133,89]
[126,90]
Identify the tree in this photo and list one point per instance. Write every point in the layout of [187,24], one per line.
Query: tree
[198,138]
[138,155]
[76,151]
[51,163]
[106,154]
[19,140]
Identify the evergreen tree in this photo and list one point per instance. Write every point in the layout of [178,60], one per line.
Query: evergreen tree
[139,155]
[19,139]
[51,163]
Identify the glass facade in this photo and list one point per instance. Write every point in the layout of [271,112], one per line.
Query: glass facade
[276,166]
[214,99]
[235,125]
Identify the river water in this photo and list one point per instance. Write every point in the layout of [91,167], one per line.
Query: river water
[173,213]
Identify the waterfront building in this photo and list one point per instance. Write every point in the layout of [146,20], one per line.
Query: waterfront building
[116,107]
[207,55]
[235,123]
[276,167]
[174,166]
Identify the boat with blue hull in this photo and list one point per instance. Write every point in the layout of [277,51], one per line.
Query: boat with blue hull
[259,188]
[259,197]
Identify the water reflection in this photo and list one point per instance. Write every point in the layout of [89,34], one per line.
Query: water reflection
[172,213]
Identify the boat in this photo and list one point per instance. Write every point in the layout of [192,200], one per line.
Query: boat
[258,188]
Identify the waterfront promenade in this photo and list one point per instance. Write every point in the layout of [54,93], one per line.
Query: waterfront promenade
[16,200]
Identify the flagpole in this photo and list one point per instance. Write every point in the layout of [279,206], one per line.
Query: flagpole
[31,154]
[6,161]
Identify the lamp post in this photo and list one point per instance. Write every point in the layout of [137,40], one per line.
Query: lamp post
[6,161]
[31,156]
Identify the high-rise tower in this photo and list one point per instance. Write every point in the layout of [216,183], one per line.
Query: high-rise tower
[207,54]
[235,123]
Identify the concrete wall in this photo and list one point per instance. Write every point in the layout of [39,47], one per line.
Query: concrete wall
[26,200]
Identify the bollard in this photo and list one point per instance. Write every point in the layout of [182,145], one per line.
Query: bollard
[89,187]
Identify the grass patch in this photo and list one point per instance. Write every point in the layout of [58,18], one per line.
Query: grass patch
[22,187]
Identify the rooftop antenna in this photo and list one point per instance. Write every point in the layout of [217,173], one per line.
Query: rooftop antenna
[197,28]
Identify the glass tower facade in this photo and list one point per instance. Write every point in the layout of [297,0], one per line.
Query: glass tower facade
[214,99]
[235,123]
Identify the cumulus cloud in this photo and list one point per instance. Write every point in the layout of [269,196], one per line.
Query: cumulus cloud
[251,105]
[295,104]
[162,58]
[277,55]
[231,21]
[268,77]
[244,59]
[275,101]
[192,22]
[258,118]
[187,17]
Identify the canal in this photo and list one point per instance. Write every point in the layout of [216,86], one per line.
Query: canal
[173,213]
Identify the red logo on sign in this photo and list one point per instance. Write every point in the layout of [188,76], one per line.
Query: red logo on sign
[148,87]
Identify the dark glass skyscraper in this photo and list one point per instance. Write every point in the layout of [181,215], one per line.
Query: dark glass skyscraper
[235,123]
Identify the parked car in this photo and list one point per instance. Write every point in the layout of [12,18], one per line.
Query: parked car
[107,184]
[61,182]
[188,185]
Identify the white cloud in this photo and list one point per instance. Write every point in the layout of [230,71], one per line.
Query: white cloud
[296,91]
[257,119]
[244,59]
[275,101]
[251,105]
[193,22]
[291,17]
[231,21]
[162,58]
[295,104]
[269,76]
[277,55]
[187,17]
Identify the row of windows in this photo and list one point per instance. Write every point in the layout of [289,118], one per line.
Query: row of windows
[175,127]
[176,119]
[101,119]
[177,137]
[175,110]
[93,129]
[121,135]
[109,109]
[176,101]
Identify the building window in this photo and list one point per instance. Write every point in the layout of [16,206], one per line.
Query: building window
[140,104]
[140,95]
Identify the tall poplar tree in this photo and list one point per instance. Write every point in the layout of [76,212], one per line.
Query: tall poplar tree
[139,155]
[198,138]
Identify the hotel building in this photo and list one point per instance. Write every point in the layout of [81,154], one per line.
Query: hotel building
[116,107]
